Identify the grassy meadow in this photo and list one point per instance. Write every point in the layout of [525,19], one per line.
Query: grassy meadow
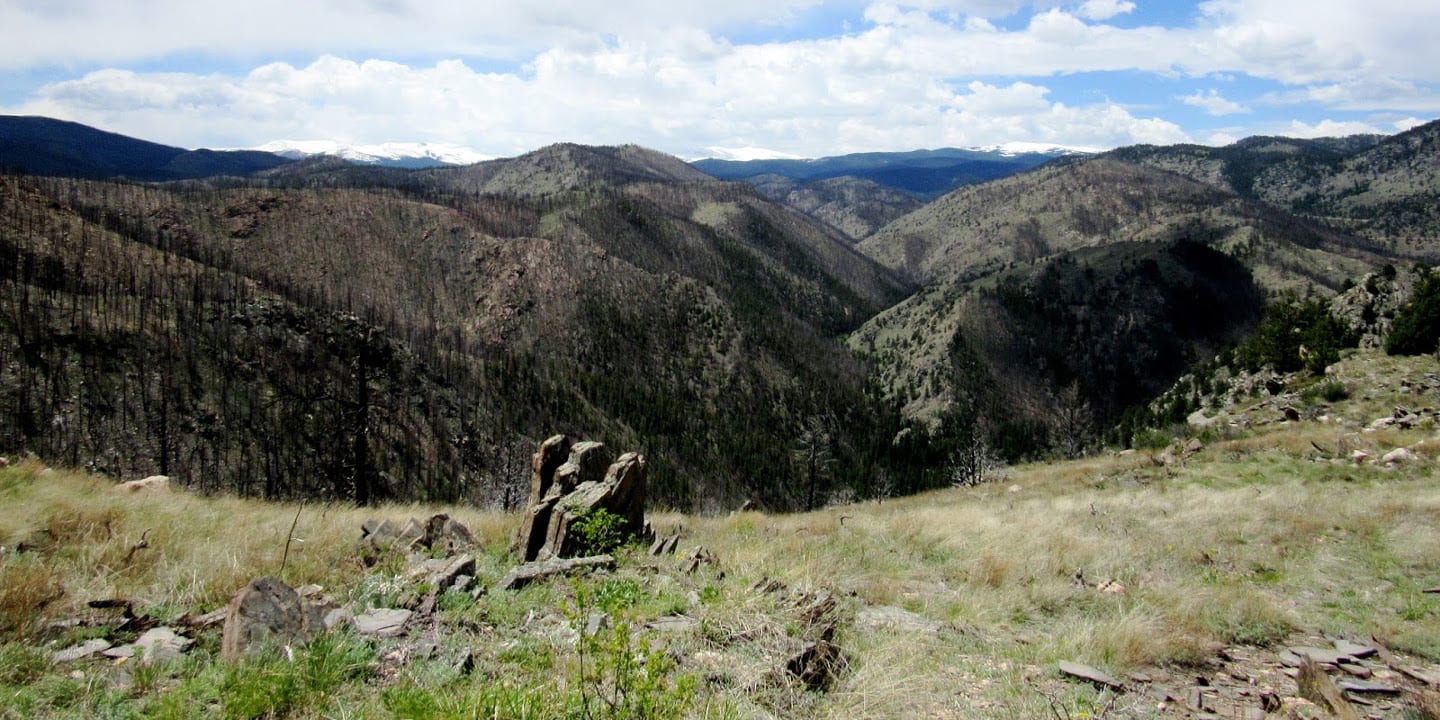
[1269,535]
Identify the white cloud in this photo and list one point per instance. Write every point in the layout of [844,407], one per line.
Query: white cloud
[1213,103]
[1329,128]
[1104,9]
[782,98]
[667,74]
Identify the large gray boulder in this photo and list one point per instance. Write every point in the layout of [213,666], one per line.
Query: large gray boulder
[267,613]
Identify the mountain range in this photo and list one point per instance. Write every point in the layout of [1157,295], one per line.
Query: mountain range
[317,328]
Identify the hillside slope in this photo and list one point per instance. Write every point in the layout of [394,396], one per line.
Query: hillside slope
[694,321]
[1381,189]
[42,146]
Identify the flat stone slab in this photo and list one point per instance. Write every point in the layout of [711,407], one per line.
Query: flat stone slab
[1367,686]
[889,617]
[83,650]
[159,644]
[1324,656]
[1085,672]
[386,622]
[1354,650]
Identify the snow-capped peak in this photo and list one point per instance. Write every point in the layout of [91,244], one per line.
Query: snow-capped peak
[394,154]
[1011,149]
[746,154]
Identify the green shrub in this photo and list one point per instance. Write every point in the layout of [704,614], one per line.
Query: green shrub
[1416,329]
[1295,336]
[600,531]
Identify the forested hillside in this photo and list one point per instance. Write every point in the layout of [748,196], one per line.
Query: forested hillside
[415,340]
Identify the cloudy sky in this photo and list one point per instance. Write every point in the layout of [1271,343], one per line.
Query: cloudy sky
[698,79]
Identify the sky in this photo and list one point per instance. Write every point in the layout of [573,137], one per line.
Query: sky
[722,78]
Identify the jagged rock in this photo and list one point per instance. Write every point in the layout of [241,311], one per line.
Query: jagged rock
[530,572]
[665,545]
[83,650]
[379,534]
[697,557]
[267,611]
[439,532]
[1085,672]
[384,622]
[585,482]
[446,534]
[154,483]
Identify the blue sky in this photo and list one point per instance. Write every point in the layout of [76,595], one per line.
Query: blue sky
[738,78]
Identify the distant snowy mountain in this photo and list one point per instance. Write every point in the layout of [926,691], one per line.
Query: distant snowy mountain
[402,155]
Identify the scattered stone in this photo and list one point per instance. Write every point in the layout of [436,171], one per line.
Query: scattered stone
[450,572]
[1366,686]
[306,591]
[1318,688]
[152,484]
[673,624]
[384,622]
[1399,456]
[1359,457]
[267,611]
[1356,670]
[1085,672]
[530,572]
[83,650]
[888,617]
[446,534]
[161,644]
[665,545]
[1354,650]
[1294,708]
[697,557]
[1324,656]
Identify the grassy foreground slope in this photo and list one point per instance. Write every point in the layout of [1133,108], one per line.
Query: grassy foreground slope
[1161,571]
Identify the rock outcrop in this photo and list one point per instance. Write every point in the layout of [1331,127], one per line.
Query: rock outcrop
[585,482]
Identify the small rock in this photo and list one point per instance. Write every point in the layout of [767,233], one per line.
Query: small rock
[1359,457]
[1399,456]
[85,649]
[1112,587]
[1085,672]
[385,622]
[152,484]
[161,644]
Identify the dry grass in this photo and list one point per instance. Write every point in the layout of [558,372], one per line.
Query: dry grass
[1250,541]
